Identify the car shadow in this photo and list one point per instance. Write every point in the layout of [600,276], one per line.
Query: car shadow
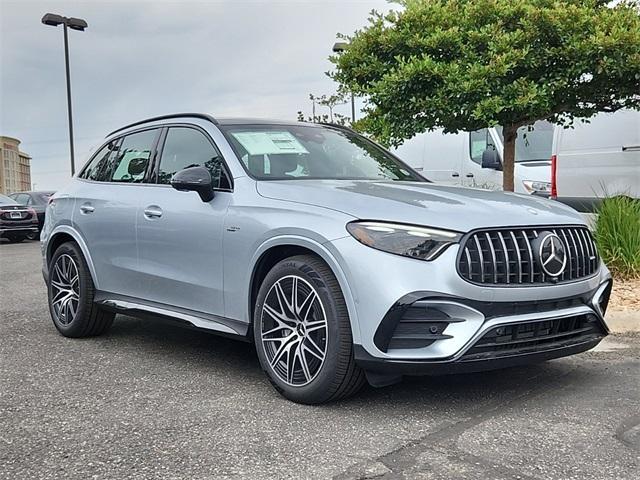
[236,361]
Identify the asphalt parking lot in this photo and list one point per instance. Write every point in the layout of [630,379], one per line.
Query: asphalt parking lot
[153,400]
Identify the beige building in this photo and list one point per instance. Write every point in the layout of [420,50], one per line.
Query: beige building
[15,167]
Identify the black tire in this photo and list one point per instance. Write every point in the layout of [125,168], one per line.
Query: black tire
[89,319]
[15,238]
[338,376]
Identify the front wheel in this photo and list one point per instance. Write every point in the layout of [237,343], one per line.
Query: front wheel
[302,332]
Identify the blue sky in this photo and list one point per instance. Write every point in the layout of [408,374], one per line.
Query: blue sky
[143,58]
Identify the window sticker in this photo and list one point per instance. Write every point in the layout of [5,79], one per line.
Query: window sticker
[267,143]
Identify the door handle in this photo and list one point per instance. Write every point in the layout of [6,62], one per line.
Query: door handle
[631,148]
[153,212]
[86,209]
[455,174]
[469,175]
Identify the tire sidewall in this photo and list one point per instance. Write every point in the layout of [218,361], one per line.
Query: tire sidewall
[320,386]
[85,288]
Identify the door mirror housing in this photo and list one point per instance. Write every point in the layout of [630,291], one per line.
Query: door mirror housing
[490,159]
[194,179]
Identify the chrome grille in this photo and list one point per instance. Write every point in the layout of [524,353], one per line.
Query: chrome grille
[505,256]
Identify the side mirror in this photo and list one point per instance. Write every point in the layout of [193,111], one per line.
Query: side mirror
[194,179]
[490,159]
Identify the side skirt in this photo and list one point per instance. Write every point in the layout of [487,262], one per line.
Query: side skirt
[145,309]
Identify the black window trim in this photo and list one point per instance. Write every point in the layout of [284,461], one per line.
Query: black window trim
[160,149]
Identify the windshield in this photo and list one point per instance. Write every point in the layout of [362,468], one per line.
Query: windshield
[276,152]
[535,144]
[4,200]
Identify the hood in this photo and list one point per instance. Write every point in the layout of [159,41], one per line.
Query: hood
[422,203]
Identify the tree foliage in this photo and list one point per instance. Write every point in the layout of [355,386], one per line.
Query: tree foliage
[465,65]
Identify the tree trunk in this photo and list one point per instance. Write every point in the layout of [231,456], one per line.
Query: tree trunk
[510,134]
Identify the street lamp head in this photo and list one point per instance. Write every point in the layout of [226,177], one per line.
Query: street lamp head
[52,19]
[340,47]
[73,23]
[76,24]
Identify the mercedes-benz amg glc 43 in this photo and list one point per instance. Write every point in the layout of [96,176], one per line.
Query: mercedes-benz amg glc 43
[340,262]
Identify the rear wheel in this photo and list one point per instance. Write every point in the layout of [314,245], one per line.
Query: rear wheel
[71,292]
[302,332]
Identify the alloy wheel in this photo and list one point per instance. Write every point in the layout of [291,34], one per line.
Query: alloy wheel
[294,330]
[65,289]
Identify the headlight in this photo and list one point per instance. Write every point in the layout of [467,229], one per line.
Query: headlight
[532,186]
[410,241]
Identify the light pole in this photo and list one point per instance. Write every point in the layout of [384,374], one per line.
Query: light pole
[340,47]
[54,20]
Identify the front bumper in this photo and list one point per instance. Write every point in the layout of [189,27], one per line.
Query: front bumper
[422,367]
[387,288]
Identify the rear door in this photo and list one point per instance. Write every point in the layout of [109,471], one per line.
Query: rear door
[106,203]
[443,155]
[179,235]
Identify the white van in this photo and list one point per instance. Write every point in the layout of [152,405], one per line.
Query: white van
[597,159]
[457,159]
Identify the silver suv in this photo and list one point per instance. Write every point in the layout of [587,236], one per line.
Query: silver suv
[339,261]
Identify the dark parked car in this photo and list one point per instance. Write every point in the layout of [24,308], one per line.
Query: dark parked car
[17,222]
[36,200]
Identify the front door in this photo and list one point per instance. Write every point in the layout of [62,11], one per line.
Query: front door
[180,255]
[473,173]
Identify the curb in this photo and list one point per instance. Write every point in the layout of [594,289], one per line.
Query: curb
[623,321]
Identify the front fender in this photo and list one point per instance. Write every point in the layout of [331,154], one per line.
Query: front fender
[323,252]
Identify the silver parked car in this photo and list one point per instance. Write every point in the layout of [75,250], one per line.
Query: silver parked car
[340,262]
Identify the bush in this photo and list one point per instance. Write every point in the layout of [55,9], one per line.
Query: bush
[617,234]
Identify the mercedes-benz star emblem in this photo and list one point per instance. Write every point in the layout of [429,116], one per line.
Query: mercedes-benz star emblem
[552,255]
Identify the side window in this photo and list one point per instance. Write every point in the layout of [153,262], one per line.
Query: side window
[130,164]
[98,168]
[187,147]
[479,141]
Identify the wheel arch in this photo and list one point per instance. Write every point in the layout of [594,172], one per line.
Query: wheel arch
[276,249]
[64,234]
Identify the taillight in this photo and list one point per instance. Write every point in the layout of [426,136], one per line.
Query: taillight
[31,211]
[554,185]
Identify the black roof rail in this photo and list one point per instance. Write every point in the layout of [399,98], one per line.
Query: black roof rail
[204,116]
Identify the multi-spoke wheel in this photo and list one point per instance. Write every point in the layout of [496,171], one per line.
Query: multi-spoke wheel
[71,291]
[294,330]
[302,332]
[65,286]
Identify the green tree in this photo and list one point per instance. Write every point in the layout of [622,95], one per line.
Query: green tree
[465,65]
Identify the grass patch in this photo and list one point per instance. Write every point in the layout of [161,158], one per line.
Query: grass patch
[617,234]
